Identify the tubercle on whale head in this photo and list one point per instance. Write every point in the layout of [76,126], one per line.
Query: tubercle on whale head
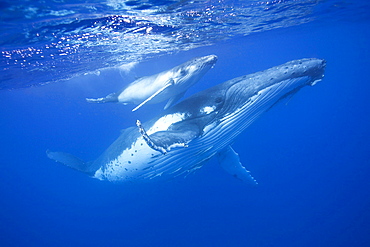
[211,59]
[204,61]
[294,74]
[312,67]
[193,69]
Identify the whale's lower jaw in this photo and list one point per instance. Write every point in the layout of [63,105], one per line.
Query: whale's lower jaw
[140,162]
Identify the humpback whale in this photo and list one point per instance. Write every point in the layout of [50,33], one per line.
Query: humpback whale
[168,85]
[184,137]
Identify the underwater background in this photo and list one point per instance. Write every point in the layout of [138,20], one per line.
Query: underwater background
[309,154]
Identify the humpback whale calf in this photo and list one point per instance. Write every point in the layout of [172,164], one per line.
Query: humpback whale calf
[184,137]
[168,85]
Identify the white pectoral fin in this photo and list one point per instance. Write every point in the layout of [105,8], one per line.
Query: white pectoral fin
[170,83]
[164,141]
[229,160]
[174,99]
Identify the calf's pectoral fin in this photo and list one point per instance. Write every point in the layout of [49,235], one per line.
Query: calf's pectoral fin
[168,84]
[229,160]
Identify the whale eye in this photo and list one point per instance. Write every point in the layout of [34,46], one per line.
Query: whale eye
[218,100]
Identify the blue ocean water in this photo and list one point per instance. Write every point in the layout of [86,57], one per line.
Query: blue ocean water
[310,154]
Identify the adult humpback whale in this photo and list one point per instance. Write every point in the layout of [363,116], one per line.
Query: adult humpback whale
[170,84]
[184,137]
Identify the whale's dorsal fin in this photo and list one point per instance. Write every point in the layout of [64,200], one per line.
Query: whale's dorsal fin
[229,160]
[168,84]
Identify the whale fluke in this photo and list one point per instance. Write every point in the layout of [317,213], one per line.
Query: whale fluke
[109,98]
[71,161]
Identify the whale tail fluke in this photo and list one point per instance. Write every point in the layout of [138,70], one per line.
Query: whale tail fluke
[110,98]
[98,100]
[71,161]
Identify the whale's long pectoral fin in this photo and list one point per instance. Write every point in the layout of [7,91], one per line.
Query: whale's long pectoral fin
[164,141]
[173,100]
[168,84]
[71,161]
[229,160]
